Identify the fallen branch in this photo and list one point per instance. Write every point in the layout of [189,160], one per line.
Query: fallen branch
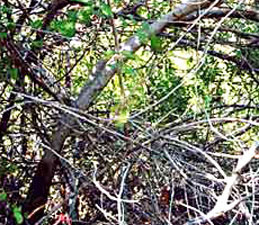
[222,205]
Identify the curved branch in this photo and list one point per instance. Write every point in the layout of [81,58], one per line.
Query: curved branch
[221,12]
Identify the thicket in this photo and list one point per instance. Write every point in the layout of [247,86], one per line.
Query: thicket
[129,112]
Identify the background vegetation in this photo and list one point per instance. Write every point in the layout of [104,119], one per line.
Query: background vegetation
[129,112]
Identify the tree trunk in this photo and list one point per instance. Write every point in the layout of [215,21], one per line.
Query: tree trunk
[39,189]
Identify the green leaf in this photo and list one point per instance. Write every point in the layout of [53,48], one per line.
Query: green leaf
[238,53]
[128,70]
[17,213]
[109,53]
[128,55]
[106,10]
[65,27]
[10,25]
[208,100]
[3,35]
[143,12]
[6,9]
[143,33]
[3,196]
[156,43]
[68,28]
[85,14]
[36,24]
[12,168]
[13,73]
[72,15]
[122,118]
[37,44]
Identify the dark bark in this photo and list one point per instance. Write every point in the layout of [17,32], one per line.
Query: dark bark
[53,9]
[6,116]
[39,188]
[221,12]
[24,16]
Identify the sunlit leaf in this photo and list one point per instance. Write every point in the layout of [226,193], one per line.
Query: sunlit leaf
[68,28]
[36,24]
[122,118]
[156,43]
[85,14]
[106,10]
[128,54]
[128,70]
[207,101]
[109,53]
[143,32]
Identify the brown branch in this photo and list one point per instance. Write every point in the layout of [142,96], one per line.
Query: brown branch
[221,12]
[52,11]
[24,15]
[7,114]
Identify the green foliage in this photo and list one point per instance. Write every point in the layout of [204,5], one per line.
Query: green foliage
[209,72]
[36,24]
[156,43]
[143,12]
[66,27]
[3,35]
[106,10]
[6,20]
[108,54]
[128,70]
[143,33]
[84,14]
[129,55]
[17,213]
[7,168]
[251,55]
[166,63]
[5,10]
[208,101]
[10,25]
[13,73]
[178,100]
[3,196]
[122,118]
[36,44]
